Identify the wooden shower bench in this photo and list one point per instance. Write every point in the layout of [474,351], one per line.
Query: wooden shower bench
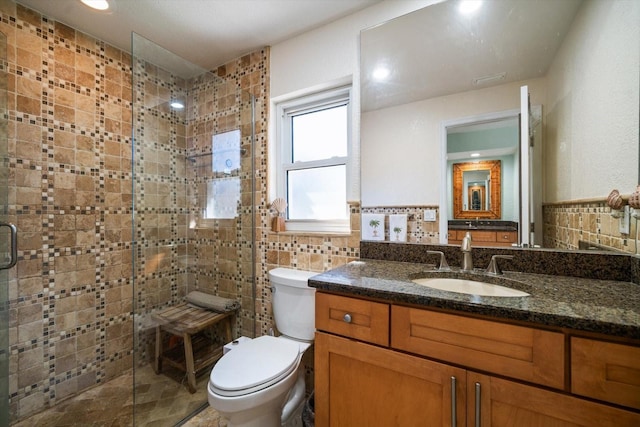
[186,321]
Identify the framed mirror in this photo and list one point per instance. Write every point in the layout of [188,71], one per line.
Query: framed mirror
[476,190]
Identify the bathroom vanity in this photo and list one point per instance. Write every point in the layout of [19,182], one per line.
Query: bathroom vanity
[391,352]
[483,233]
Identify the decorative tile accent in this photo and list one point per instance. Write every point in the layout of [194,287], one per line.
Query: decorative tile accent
[418,231]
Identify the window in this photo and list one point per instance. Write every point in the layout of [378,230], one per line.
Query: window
[314,134]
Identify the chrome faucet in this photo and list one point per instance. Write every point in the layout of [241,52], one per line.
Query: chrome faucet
[494,268]
[443,261]
[467,259]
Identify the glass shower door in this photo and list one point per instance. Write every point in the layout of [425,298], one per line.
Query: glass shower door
[193,222]
[8,241]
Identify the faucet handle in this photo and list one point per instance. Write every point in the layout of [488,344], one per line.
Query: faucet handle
[443,260]
[493,265]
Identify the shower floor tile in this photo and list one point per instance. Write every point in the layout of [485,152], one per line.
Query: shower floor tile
[162,400]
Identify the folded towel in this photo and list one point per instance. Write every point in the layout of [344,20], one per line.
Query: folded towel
[212,302]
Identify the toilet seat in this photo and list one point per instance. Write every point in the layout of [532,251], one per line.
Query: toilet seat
[254,365]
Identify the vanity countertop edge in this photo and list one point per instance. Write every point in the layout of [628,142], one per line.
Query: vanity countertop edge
[607,307]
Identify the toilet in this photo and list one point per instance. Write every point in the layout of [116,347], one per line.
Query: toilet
[261,381]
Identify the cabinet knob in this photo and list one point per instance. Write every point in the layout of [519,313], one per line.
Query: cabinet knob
[347,318]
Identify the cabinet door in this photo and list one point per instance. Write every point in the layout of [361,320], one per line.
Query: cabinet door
[358,384]
[501,403]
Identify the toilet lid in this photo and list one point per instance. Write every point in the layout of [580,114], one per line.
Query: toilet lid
[254,365]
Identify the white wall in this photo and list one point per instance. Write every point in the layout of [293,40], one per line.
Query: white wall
[581,135]
[402,146]
[326,57]
[330,55]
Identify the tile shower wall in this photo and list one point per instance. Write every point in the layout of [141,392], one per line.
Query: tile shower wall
[179,250]
[566,225]
[70,135]
[69,138]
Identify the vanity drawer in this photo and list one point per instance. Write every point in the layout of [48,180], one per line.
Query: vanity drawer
[478,235]
[606,371]
[354,318]
[506,236]
[518,352]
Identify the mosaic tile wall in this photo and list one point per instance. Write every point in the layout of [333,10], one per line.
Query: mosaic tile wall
[210,255]
[69,135]
[301,251]
[179,250]
[69,141]
[565,225]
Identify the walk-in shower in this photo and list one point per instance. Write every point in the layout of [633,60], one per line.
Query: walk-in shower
[193,214]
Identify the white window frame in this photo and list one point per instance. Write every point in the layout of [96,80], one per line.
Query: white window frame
[285,110]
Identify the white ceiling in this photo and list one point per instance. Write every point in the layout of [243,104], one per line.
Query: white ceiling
[208,33]
[437,51]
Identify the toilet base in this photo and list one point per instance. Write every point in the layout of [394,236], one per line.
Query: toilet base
[269,404]
[292,411]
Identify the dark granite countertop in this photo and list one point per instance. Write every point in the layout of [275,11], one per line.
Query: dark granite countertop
[602,306]
[489,225]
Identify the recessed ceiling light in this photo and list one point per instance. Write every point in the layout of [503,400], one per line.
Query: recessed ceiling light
[469,6]
[474,154]
[381,73]
[96,4]
[177,105]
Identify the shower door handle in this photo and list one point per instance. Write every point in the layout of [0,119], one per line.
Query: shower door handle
[13,253]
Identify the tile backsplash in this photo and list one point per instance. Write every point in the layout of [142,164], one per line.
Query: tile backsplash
[576,225]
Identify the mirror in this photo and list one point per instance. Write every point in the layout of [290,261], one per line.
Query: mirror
[476,190]
[578,58]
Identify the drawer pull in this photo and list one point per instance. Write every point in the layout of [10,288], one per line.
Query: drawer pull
[478,403]
[347,318]
[454,404]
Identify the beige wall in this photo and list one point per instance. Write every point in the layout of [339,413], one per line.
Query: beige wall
[589,147]
[417,146]
[591,128]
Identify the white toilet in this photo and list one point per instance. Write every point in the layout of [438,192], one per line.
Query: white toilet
[260,383]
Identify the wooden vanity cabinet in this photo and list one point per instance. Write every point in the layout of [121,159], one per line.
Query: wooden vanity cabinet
[490,238]
[441,369]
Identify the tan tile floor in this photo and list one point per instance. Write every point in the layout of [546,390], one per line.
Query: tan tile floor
[162,400]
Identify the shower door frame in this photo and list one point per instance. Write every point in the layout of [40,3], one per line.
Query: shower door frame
[8,234]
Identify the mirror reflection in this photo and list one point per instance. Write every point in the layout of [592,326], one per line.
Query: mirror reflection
[476,189]
[580,62]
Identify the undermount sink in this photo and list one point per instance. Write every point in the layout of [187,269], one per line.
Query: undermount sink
[471,287]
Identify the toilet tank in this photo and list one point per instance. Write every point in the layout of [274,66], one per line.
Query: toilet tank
[293,302]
